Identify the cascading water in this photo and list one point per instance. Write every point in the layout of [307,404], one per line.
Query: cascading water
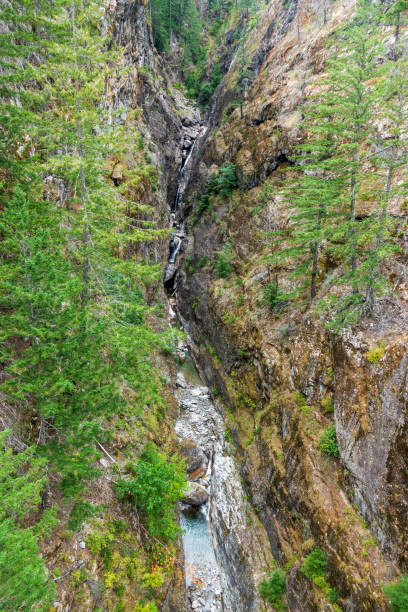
[178,229]
[220,549]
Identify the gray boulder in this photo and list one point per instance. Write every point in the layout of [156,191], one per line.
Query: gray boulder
[196,495]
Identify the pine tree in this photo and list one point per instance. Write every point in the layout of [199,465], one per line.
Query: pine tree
[391,92]
[314,197]
[337,177]
[392,16]
[24,583]
[72,296]
[350,97]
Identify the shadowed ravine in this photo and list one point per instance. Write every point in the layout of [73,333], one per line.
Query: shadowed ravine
[220,548]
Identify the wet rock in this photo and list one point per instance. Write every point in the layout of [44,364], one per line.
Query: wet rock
[181,381]
[195,457]
[196,495]
[181,355]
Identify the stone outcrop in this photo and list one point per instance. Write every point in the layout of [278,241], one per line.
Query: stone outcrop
[284,380]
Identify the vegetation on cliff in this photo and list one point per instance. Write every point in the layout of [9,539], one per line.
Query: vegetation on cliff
[76,295]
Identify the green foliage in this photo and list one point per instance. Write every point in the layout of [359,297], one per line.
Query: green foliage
[273,297]
[74,325]
[24,582]
[397,594]
[375,354]
[80,513]
[333,182]
[216,77]
[23,578]
[227,180]
[180,19]
[224,261]
[333,596]
[272,589]
[328,442]
[315,564]
[155,486]
[222,184]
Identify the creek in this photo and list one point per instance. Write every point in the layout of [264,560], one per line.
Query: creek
[220,550]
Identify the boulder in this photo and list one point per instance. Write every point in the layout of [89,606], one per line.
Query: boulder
[181,381]
[195,457]
[196,495]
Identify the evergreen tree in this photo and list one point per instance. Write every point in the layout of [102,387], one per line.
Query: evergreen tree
[350,94]
[67,287]
[24,584]
[314,197]
[337,179]
[391,92]
[392,16]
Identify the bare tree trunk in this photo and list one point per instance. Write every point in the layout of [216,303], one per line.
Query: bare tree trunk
[298,23]
[353,217]
[85,233]
[316,247]
[397,32]
[379,241]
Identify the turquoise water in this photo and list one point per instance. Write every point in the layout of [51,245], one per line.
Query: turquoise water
[199,555]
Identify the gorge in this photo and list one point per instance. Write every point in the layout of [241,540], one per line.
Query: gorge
[227,242]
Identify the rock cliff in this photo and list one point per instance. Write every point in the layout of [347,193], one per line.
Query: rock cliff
[284,379]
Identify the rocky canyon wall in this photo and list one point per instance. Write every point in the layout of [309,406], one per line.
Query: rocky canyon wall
[285,379]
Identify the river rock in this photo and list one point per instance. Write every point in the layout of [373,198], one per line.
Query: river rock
[195,457]
[196,495]
[181,381]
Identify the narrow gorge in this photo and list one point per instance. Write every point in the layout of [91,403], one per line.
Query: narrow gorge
[204,294]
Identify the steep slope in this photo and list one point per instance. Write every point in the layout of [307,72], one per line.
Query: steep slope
[283,380]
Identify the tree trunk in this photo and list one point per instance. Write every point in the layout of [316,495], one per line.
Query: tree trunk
[298,23]
[397,31]
[85,233]
[353,218]
[378,244]
[316,247]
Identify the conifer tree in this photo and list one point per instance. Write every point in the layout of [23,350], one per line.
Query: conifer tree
[24,584]
[60,265]
[314,197]
[391,92]
[337,179]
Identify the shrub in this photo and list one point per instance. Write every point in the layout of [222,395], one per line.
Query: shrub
[216,77]
[315,564]
[397,594]
[157,484]
[271,590]
[333,596]
[203,261]
[227,180]
[223,265]
[81,512]
[328,442]
[327,404]
[375,354]
[223,184]
[272,296]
